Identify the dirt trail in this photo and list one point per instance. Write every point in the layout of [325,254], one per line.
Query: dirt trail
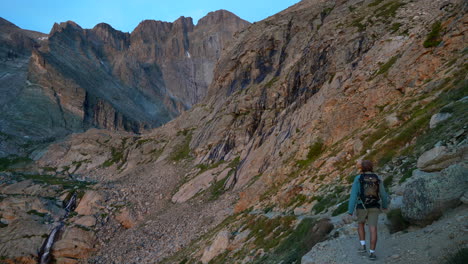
[427,245]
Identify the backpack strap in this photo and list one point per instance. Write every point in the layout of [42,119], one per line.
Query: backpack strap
[361,190]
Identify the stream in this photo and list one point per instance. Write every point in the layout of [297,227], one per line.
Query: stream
[45,255]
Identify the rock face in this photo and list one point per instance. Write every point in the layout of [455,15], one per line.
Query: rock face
[220,244]
[296,100]
[441,157]
[79,78]
[428,195]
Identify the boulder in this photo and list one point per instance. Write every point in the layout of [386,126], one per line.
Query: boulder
[441,157]
[126,218]
[396,202]
[87,221]
[197,184]
[428,195]
[438,118]
[220,244]
[75,243]
[89,204]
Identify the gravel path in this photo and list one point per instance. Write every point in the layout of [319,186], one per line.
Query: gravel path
[427,245]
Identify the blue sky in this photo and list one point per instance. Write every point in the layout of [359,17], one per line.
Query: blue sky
[124,15]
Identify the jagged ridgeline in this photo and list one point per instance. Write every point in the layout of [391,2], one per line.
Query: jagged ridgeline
[73,78]
[259,171]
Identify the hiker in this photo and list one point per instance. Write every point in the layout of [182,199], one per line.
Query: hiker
[368,196]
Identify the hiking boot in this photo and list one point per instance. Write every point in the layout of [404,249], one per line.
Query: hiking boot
[362,250]
[372,256]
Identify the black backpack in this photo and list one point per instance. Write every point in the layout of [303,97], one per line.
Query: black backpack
[369,193]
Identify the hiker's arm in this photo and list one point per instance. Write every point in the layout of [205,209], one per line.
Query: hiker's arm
[353,196]
[383,195]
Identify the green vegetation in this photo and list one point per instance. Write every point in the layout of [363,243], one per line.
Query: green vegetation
[375,3]
[358,23]
[296,245]
[395,27]
[369,140]
[270,83]
[182,151]
[343,207]
[385,67]
[405,176]
[206,167]
[56,180]
[397,222]
[298,200]
[13,160]
[351,177]
[388,181]
[459,257]
[117,155]
[217,188]
[323,203]
[314,152]
[268,233]
[433,39]
[34,212]
[389,9]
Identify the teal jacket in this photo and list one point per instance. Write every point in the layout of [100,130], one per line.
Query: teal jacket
[353,198]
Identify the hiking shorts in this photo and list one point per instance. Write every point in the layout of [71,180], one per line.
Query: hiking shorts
[370,214]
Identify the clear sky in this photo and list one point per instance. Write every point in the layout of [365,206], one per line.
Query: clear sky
[124,15]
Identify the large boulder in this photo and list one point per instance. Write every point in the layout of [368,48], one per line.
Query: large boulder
[427,195]
[438,118]
[89,204]
[441,157]
[75,243]
[220,244]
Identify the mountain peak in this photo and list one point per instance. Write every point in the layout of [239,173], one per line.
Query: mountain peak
[63,26]
[4,22]
[219,16]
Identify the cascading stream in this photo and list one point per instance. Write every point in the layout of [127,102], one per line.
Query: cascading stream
[45,256]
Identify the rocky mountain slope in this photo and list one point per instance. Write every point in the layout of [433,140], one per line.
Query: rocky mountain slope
[73,78]
[253,172]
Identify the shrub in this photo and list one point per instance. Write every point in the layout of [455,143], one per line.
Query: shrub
[343,207]
[433,39]
[314,152]
[395,27]
[397,222]
[385,67]
[182,151]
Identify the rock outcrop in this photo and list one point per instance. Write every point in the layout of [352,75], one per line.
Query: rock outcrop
[440,157]
[295,101]
[428,195]
[80,78]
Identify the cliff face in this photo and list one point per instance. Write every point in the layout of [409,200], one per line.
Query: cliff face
[101,77]
[295,101]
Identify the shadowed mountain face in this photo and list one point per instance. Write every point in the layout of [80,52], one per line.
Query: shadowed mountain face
[77,78]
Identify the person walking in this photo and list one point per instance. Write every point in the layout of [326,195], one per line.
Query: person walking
[368,197]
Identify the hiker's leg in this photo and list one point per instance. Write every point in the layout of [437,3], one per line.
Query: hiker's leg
[373,237]
[372,222]
[361,220]
[361,231]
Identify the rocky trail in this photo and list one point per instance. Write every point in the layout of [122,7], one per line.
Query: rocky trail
[430,244]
